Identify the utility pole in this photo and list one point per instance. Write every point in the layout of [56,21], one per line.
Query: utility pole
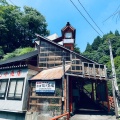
[63,80]
[114,80]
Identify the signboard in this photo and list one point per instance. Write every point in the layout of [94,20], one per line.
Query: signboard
[14,73]
[45,86]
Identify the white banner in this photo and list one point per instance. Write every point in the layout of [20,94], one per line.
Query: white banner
[45,86]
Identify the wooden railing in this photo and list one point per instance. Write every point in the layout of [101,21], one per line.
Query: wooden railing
[94,70]
[60,116]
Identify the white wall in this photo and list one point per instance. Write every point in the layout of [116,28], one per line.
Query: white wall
[30,74]
[17,105]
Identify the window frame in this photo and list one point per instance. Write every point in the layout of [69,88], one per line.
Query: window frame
[14,97]
[5,88]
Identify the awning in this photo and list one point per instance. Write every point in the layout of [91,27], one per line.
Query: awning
[51,74]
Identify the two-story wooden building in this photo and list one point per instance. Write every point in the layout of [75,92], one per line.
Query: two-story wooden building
[53,78]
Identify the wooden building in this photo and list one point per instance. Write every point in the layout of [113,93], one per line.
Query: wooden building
[69,72]
[53,76]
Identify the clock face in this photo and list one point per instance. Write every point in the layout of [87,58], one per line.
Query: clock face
[68,35]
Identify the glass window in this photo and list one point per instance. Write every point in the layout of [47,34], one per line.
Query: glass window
[43,59]
[77,67]
[73,56]
[77,62]
[50,65]
[42,64]
[15,89]
[73,67]
[19,87]
[67,58]
[3,86]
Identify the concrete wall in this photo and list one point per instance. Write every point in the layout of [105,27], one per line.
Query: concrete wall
[12,105]
[26,88]
[9,109]
[11,116]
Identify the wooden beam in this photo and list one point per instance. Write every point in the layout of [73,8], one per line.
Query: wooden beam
[45,97]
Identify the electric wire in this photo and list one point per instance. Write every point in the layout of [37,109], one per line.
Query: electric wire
[90,16]
[116,11]
[84,17]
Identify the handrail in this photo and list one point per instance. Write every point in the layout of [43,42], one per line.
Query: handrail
[87,92]
[65,114]
[92,69]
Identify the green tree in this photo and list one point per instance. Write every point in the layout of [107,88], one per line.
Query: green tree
[117,33]
[76,49]
[17,52]
[32,22]
[118,51]
[101,54]
[96,43]
[18,28]
[88,48]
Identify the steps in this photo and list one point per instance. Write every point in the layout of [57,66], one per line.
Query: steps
[93,117]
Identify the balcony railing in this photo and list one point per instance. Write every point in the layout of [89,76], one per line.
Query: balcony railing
[91,70]
[94,70]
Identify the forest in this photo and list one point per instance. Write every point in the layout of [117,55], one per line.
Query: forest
[18,28]
[99,52]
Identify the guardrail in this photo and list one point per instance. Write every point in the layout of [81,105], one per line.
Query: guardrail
[60,116]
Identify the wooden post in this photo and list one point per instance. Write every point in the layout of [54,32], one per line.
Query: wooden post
[67,93]
[96,89]
[108,104]
[92,90]
[70,94]
[83,69]
[65,101]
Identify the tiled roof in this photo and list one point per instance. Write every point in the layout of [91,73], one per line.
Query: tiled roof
[19,58]
[51,74]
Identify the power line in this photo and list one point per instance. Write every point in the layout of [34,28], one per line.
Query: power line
[116,11]
[90,16]
[117,8]
[84,17]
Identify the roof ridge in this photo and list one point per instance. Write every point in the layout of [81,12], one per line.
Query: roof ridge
[64,48]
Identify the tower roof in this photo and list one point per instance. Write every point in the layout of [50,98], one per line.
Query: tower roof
[68,25]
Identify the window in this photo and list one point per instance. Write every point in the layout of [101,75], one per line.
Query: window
[3,86]
[68,35]
[15,89]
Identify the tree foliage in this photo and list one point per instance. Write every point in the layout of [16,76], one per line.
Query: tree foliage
[77,49]
[99,52]
[18,28]
[18,52]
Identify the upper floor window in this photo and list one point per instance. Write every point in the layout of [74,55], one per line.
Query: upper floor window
[68,35]
[15,89]
[3,86]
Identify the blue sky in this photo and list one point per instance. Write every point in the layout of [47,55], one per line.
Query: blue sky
[58,12]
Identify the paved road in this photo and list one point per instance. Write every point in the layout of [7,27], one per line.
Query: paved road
[93,117]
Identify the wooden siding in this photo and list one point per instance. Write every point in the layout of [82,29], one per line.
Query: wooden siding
[38,100]
[51,56]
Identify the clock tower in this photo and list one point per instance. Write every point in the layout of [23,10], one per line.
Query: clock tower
[68,36]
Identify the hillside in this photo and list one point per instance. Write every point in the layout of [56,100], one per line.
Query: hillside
[99,51]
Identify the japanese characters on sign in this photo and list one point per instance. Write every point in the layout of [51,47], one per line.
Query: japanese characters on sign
[13,73]
[45,86]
